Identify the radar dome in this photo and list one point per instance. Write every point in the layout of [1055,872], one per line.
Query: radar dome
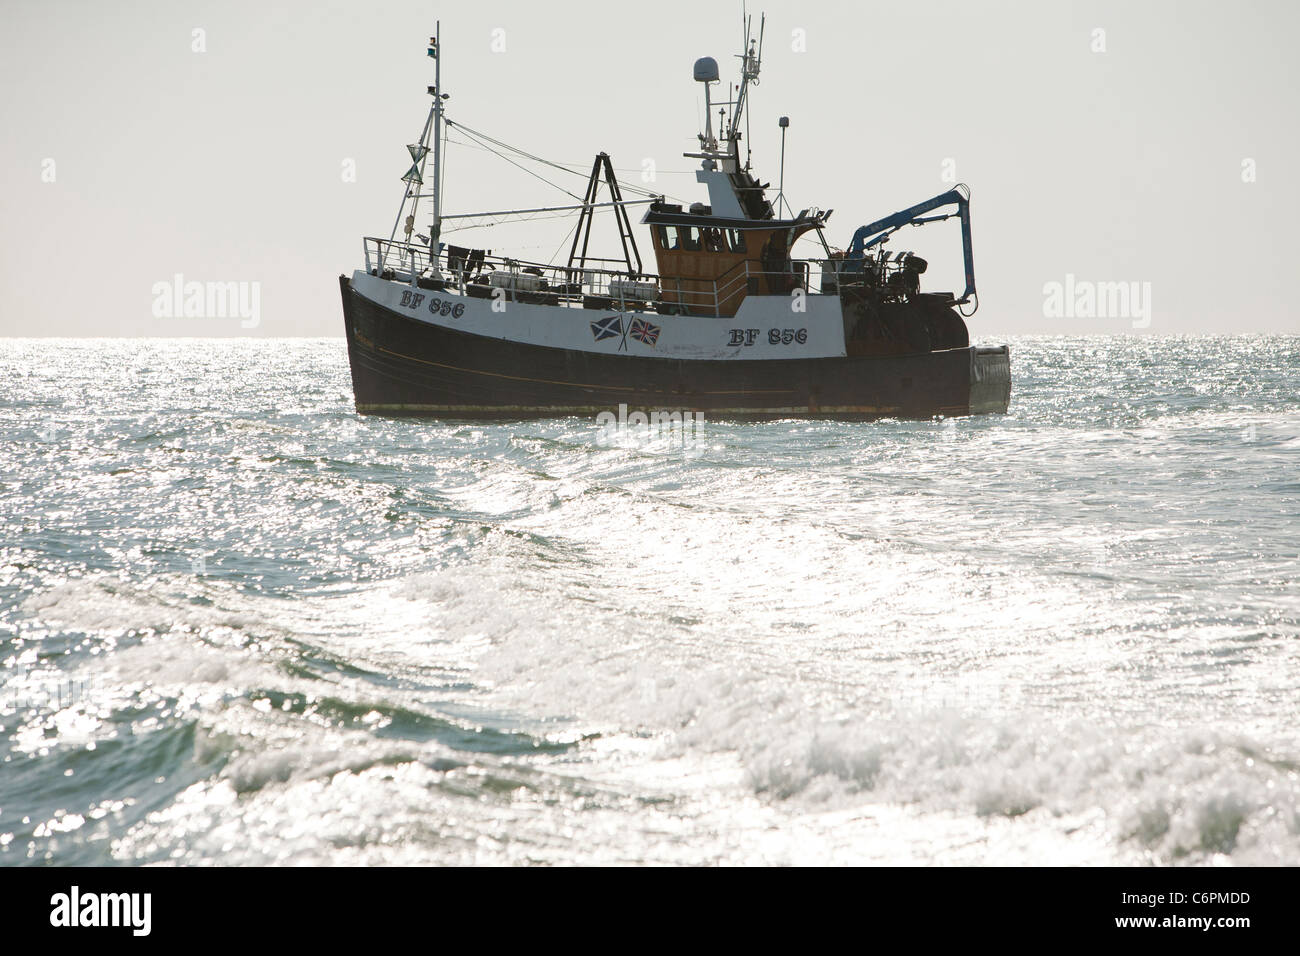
[706,70]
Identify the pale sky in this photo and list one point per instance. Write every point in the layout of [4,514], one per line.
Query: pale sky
[1161,150]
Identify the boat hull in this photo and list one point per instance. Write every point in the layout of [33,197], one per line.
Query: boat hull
[406,367]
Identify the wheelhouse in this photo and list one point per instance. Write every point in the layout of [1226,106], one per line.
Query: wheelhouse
[721,260]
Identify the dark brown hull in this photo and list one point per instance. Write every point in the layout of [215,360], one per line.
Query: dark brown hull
[402,366]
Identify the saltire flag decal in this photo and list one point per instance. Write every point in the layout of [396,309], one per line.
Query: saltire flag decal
[607,328]
[643,331]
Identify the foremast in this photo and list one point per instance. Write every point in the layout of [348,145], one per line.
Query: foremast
[420,151]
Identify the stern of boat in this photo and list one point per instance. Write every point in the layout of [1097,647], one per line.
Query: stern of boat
[990,379]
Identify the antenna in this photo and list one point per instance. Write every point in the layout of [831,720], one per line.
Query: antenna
[780,196]
[751,57]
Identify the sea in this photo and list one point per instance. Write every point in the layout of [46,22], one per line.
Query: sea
[241,624]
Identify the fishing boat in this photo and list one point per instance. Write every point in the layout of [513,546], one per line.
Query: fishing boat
[728,324]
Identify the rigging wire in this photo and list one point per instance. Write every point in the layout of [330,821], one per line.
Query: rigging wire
[517,217]
[579,168]
[471,134]
[483,139]
[571,231]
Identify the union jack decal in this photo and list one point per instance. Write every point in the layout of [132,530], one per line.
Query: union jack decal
[643,331]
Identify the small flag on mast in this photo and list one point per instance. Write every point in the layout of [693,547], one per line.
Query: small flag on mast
[417,154]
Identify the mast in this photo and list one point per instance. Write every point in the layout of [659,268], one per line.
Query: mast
[732,191]
[419,151]
[435,51]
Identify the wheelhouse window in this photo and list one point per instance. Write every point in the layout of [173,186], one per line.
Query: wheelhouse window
[679,238]
[706,239]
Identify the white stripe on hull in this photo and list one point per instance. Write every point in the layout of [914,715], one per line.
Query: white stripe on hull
[765,327]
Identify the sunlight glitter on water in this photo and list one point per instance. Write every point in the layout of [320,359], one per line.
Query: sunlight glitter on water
[1064,635]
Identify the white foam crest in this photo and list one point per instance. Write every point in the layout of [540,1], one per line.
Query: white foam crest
[802,740]
[102,603]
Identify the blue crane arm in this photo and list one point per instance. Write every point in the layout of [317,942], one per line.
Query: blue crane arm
[881,229]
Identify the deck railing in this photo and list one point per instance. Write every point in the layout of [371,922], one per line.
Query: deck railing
[587,287]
